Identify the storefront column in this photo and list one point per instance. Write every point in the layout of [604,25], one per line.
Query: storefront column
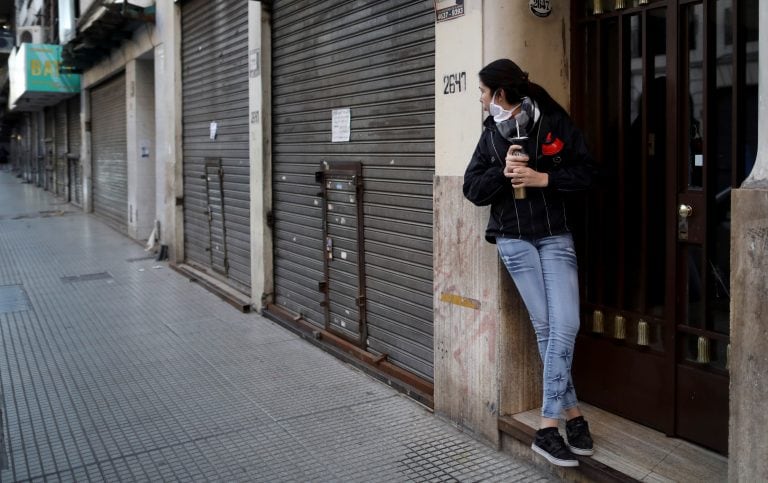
[85,150]
[168,165]
[748,441]
[140,132]
[486,359]
[260,127]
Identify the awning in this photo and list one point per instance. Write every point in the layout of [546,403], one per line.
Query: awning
[107,29]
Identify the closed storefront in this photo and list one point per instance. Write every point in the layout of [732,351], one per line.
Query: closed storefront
[353,216]
[215,139]
[60,148]
[38,148]
[49,148]
[74,140]
[109,151]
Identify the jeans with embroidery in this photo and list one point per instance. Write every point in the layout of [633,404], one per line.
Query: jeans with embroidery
[546,275]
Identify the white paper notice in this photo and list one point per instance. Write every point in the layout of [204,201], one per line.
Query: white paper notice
[214,129]
[340,119]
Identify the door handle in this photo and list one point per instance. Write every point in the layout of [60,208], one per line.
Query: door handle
[684,212]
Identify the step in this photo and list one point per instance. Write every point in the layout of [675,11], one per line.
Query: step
[624,451]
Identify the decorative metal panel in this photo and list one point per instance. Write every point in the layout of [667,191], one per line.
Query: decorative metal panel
[215,91]
[109,151]
[377,60]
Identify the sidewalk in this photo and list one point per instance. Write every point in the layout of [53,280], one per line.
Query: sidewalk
[115,368]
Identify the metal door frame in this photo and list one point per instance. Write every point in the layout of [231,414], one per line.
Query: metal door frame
[215,164]
[354,171]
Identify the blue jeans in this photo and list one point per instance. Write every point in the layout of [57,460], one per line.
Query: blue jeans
[546,275]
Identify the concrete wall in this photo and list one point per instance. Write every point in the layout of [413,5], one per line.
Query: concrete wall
[486,362]
[259,84]
[168,165]
[748,440]
[140,130]
[27,14]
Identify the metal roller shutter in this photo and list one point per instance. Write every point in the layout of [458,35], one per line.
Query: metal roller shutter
[37,149]
[109,151]
[216,172]
[74,136]
[377,59]
[60,152]
[49,148]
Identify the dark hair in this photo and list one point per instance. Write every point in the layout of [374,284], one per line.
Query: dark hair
[506,75]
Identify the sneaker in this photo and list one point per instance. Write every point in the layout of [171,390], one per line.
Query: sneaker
[579,439]
[549,444]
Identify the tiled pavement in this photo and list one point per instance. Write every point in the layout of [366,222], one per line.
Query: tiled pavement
[136,374]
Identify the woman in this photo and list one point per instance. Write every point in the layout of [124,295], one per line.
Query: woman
[532,234]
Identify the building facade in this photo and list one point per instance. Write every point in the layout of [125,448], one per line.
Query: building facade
[306,160]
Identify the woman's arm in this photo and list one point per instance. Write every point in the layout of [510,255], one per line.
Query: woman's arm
[577,170]
[484,179]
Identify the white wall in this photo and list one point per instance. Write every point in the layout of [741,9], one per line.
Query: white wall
[458,116]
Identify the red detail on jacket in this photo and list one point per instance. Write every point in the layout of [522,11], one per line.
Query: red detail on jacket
[550,148]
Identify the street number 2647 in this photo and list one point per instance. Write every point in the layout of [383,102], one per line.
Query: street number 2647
[454,83]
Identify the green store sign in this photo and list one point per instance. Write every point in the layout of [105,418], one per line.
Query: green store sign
[43,68]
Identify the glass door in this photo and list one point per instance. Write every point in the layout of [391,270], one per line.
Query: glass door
[717,81]
[666,93]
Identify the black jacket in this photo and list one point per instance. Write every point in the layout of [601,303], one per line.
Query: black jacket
[555,147]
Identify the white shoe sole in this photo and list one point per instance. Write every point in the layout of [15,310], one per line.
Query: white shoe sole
[552,459]
[580,451]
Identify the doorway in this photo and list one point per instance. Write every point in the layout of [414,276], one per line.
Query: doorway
[674,130]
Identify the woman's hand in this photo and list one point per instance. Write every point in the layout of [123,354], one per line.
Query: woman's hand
[521,176]
[514,160]
[519,173]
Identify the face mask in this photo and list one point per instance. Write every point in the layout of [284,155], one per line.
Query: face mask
[499,113]
[517,126]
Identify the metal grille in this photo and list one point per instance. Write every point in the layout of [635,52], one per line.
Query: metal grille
[74,141]
[377,59]
[60,151]
[110,165]
[215,89]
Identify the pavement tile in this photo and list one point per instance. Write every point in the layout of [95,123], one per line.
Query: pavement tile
[144,376]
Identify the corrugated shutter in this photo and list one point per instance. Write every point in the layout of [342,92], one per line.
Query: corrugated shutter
[50,158]
[377,59]
[74,136]
[60,153]
[215,89]
[109,151]
[38,148]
